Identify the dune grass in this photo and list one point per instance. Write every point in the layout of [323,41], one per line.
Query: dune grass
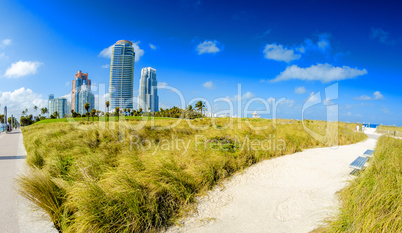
[391,130]
[141,176]
[373,201]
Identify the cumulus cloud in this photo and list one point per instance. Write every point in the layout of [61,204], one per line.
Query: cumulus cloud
[153,47]
[376,96]
[279,53]
[300,90]
[208,46]
[208,85]
[21,99]
[320,72]
[247,95]
[107,52]
[105,66]
[22,68]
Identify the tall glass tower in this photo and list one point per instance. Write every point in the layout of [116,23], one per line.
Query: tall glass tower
[122,75]
[148,97]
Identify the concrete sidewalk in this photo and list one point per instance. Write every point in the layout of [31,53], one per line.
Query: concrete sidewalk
[17,215]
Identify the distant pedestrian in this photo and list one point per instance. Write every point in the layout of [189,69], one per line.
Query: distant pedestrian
[363,127]
[357,128]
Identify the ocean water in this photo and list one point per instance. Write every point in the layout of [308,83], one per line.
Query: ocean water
[369,125]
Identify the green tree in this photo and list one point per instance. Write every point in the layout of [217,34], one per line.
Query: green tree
[43,111]
[107,106]
[87,106]
[93,113]
[200,106]
[117,109]
[36,109]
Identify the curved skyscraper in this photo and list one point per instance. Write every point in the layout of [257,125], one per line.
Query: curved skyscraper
[122,75]
[148,98]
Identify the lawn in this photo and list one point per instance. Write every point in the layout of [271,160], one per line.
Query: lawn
[141,175]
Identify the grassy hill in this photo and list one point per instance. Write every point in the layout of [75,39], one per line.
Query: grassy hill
[140,175]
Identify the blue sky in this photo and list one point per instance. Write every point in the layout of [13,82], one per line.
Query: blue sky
[205,49]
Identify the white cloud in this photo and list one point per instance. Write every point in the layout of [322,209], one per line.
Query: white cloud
[162,84]
[22,68]
[279,53]
[376,96]
[320,72]
[300,90]
[105,66]
[107,52]
[22,99]
[138,51]
[153,47]
[364,97]
[3,55]
[207,46]
[247,95]
[5,43]
[208,85]
[67,84]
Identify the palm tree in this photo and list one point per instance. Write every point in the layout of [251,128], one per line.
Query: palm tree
[44,111]
[107,106]
[200,106]
[35,108]
[117,112]
[87,106]
[23,112]
[93,113]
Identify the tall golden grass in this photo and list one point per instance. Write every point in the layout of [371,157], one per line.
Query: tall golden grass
[373,201]
[118,177]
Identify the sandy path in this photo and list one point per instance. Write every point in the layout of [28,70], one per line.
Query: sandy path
[292,193]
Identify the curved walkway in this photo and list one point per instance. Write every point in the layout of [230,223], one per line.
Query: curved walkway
[16,213]
[292,193]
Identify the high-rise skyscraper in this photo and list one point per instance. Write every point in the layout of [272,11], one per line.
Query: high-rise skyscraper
[148,98]
[58,105]
[80,82]
[85,96]
[122,75]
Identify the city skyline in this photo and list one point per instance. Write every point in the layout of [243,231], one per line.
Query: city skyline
[207,55]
